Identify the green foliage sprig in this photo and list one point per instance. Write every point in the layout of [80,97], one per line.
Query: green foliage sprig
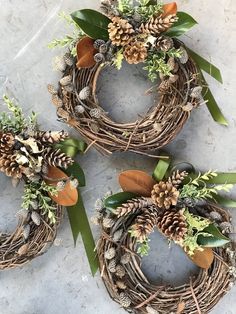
[156,64]
[147,11]
[125,6]
[143,248]
[119,57]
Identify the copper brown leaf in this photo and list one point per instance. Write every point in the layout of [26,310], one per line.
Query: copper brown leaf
[85,53]
[66,197]
[203,258]
[136,181]
[169,9]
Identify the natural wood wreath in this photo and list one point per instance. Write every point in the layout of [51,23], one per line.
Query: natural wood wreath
[34,157]
[139,34]
[124,240]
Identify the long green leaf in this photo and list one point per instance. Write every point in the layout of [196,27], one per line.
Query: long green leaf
[206,66]
[223,177]
[71,146]
[76,171]
[92,22]
[118,199]
[161,169]
[215,239]
[224,201]
[183,25]
[80,225]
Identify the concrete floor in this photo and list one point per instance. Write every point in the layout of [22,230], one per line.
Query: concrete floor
[60,282]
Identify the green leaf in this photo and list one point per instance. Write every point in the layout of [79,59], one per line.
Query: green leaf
[215,238]
[92,22]
[118,199]
[206,66]
[71,146]
[161,169]
[223,177]
[76,171]
[227,202]
[80,225]
[184,24]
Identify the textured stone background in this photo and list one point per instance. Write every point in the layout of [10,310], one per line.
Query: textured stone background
[60,281]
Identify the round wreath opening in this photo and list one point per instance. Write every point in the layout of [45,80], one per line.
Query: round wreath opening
[195,223]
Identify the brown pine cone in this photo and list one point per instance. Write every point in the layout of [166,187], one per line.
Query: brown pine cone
[164,43]
[135,52]
[120,31]
[172,224]
[10,167]
[158,25]
[177,178]
[133,206]
[145,224]
[6,142]
[164,195]
[50,137]
[55,158]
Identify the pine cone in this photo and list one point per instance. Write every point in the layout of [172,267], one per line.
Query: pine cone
[10,167]
[172,224]
[124,300]
[56,158]
[164,195]
[158,25]
[135,52]
[145,224]
[164,43]
[50,137]
[177,178]
[120,31]
[6,142]
[133,206]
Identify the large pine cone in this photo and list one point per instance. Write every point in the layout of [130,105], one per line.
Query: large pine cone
[56,158]
[133,206]
[158,25]
[164,195]
[50,137]
[135,52]
[172,224]
[10,167]
[6,142]
[145,224]
[120,31]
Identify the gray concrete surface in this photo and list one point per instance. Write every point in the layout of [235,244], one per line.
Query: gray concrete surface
[60,281]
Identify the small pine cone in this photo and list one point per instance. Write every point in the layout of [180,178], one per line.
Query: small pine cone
[184,55]
[120,271]
[110,253]
[125,259]
[164,195]
[56,100]
[117,235]
[51,137]
[172,224]
[98,43]
[171,63]
[59,64]
[79,109]
[133,206]
[95,113]
[135,52]
[51,89]
[85,93]
[145,224]
[26,231]
[158,25]
[66,80]
[68,58]
[6,142]
[120,31]
[164,43]
[108,222]
[177,178]
[121,285]
[10,166]
[36,217]
[124,300]
[164,87]
[55,158]
[112,266]
[215,216]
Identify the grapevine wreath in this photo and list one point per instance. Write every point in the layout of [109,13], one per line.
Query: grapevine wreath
[145,32]
[43,161]
[186,208]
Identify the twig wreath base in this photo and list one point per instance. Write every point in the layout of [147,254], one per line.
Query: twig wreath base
[139,295]
[15,251]
[155,129]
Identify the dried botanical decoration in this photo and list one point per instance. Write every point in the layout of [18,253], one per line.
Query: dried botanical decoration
[33,156]
[182,205]
[138,32]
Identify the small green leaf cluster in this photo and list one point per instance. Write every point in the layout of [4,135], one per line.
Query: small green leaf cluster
[147,11]
[156,64]
[125,6]
[38,192]
[118,59]
[143,248]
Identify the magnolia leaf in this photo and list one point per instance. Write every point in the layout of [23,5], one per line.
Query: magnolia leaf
[69,195]
[161,169]
[136,181]
[71,146]
[77,172]
[169,9]
[118,199]
[93,23]
[183,25]
[85,53]
[202,258]
[215,238]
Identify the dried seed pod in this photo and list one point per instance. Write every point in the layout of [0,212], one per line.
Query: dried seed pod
[121,285]
[173,78]
[117,235]
[125,259]
[79,109]
[98,205]
[96,219]
[74,183]
[110,253]
[188,107]
[112,266]
[36,218]
[226,227]
[184,55]
[120,271]
[124,300]
[66,80]
[23,249]
[108,222]
[98,43]
[68,58]
[95,113]
[52,89]
[26,231]
[56,100]
[215,216]
[23,213]
[103,48]
[99,57]
[196,92]
[68,88]
[85,93]
[59,64]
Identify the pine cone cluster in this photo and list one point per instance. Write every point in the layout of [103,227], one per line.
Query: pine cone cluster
[120,31]
[133,206]
[172,224]
[135,52]
[158,25]
[164,195]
